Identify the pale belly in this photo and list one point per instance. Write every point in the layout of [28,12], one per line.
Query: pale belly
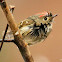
[32,39]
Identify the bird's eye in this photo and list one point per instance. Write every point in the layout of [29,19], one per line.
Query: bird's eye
[45,18]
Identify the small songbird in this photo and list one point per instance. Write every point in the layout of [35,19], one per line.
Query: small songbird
[35,28]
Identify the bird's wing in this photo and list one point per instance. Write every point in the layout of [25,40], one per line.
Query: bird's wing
[25,22]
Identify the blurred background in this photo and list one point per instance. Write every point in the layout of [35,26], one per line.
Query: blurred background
[47,51]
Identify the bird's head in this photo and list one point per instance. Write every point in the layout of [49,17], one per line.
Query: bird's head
[44,21]
[45,18]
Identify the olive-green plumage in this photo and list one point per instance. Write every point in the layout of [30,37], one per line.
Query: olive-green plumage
[35,28]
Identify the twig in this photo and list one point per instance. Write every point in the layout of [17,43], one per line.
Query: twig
[4,37]
[23,47]
[7,40]
[11,9]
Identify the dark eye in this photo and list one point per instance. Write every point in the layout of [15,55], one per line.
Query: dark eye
[45,18]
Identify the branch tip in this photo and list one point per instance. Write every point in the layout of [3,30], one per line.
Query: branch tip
[11,6]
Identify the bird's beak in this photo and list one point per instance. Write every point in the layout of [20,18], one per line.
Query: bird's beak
[54,16]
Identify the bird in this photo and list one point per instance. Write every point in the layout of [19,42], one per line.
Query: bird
[35,28]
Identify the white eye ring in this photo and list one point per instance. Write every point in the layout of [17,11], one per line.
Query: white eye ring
[45,18]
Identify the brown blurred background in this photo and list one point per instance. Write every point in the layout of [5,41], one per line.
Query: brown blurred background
[47,51]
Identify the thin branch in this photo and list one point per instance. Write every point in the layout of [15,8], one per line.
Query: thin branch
[11,9]
[7,40]
[23,47]
[4,37]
